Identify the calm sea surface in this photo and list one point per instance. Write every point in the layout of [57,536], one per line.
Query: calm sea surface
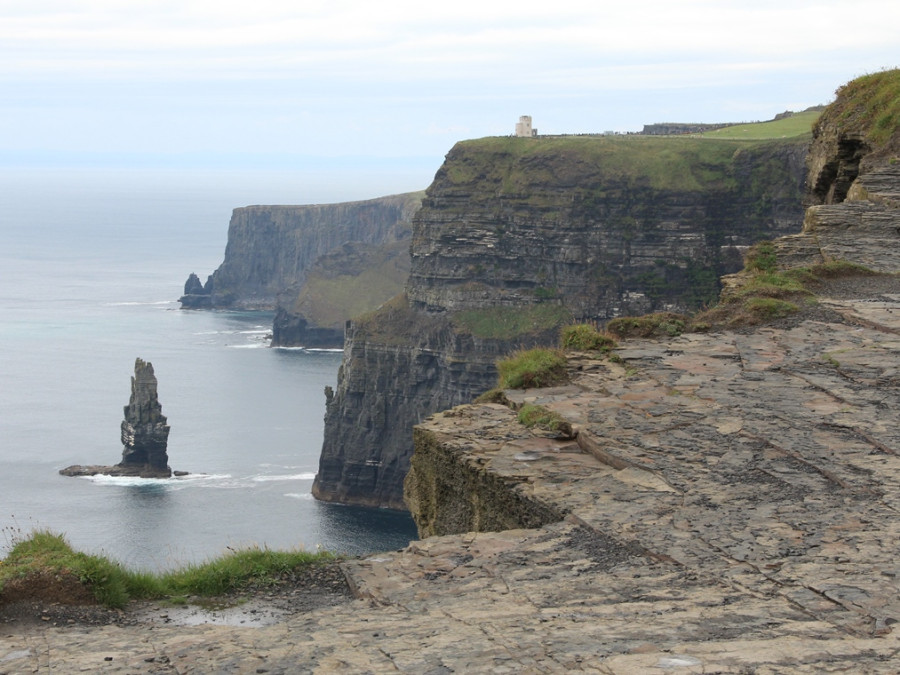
[91,263]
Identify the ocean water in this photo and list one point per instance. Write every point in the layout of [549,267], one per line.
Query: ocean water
[91,265]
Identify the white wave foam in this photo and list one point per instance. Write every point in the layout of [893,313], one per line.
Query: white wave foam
[296,495]
[138,304]
[293,476]
[175,481]
[307,349]
[256,345]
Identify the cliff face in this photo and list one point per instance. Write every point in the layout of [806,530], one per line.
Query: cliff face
[399,366]
[609,226]
[271,248]
[516,237]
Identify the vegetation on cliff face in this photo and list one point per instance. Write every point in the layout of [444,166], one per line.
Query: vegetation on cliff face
[869,106]
[351,281]
[506,323]
[44,565]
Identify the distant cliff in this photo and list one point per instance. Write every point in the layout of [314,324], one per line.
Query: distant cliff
[517,236]
[351,280]
[270,249]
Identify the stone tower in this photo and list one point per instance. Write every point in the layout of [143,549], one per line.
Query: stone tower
[523,127]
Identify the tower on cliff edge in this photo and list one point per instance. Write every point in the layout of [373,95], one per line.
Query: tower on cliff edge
[523,127]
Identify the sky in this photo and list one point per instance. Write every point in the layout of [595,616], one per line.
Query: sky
[387,88]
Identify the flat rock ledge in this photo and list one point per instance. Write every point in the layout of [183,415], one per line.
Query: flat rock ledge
[729,506]
[137,471]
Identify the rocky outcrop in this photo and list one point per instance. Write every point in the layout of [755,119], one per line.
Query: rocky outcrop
[144,433]
[270,248]
[399,365]
[196,294]
[855,135]
[517,236]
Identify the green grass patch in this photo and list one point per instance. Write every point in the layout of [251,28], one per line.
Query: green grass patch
[527,369]
[353,281]
[798,124]
[238,569]
[505,323]
[519,166]
[869,105]
[658,324]
[585,338]
[761,257]
[537,416]
[770,309]
[46,561]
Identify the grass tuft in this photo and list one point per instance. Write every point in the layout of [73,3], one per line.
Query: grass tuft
[527,369]
[585,338]
[659,324]
[537,416]
[46,560]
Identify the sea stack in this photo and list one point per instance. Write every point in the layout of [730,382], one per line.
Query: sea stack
[145,433]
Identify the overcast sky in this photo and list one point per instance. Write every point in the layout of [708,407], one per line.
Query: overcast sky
[286,83]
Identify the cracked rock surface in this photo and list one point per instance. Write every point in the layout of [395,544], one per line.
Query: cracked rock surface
[730,505]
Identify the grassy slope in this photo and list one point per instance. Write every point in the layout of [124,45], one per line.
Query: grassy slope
[789,127]
[869,106]
[329,299]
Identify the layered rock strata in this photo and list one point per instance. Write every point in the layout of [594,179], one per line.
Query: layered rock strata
[144,433]
[270,248]
[592,227]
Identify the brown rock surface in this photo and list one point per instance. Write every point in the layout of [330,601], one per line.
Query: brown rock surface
[730,506]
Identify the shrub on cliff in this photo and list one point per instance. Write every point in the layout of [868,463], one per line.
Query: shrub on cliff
[659,324]
[585,338]
[537,416]
[530,368]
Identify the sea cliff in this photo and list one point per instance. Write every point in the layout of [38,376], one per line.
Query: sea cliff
[356,252]
[518,236]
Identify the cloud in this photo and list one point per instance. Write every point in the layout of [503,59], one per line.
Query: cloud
[390,78]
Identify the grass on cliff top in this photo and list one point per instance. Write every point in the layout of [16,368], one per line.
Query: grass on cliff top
[585,337]
[530,368]
[799,124]
[869,105]
[44,564]
[678,163]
